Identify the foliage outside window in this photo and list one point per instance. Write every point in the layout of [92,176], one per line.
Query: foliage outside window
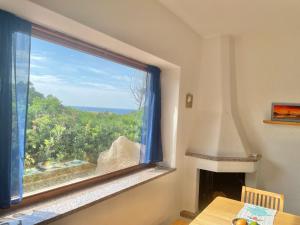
[84,116]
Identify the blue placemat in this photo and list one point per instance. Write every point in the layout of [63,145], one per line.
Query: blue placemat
[261,215]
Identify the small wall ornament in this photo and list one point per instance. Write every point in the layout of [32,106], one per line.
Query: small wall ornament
[189,100]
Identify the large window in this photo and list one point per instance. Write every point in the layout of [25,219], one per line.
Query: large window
[84,116]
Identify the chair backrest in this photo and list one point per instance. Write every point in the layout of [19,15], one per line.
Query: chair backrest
[263,198]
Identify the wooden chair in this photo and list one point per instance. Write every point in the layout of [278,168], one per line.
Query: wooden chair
[180,222]
[263,198]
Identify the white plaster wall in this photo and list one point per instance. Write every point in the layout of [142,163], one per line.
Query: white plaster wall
[268,70]
[150,28]
[152,203]
[208,101]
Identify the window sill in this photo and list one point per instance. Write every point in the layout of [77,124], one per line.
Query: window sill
[54,209]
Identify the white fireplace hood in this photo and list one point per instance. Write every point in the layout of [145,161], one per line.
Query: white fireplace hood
[217,131]
[217,142]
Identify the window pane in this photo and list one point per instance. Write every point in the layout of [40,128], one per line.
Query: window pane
[84,116]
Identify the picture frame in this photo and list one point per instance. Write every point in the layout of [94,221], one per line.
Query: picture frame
[288,112]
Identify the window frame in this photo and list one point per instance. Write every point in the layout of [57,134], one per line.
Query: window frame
[79,45]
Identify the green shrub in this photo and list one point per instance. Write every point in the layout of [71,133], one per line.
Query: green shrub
[60,133]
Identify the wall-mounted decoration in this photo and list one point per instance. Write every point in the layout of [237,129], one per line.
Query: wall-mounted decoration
[288,112]
[189,100]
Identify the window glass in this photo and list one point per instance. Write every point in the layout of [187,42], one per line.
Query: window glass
[84,116]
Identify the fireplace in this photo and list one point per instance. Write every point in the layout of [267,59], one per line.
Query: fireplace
[214,184]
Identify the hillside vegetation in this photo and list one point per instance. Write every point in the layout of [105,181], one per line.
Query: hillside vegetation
[60,133]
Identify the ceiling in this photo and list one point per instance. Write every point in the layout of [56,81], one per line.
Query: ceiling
[215,17]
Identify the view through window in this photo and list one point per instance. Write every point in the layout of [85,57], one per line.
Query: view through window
[84,116]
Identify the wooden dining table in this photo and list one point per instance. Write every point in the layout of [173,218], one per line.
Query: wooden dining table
[222,210]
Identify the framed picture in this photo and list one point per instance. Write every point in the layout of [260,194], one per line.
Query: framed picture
[289,112]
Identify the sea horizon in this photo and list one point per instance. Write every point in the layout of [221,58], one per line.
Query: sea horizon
[103,109]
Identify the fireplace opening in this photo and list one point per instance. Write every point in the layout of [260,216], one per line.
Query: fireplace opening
[212,185]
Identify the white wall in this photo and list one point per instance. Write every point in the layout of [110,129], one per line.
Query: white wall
[149,27]
[152,203]
[268,70]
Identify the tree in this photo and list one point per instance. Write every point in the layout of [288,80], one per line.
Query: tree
[33,94]
[138,90]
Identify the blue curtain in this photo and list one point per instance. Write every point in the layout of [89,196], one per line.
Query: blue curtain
[15,39]
[151,129]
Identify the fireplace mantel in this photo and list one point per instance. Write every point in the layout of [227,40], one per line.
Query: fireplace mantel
[251,158]
[222,163]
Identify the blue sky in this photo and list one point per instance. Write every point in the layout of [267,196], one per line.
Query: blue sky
[80,79]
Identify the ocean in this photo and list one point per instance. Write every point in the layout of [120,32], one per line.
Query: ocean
[96,109]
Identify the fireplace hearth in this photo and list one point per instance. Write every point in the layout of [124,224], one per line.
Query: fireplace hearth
[214,184]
